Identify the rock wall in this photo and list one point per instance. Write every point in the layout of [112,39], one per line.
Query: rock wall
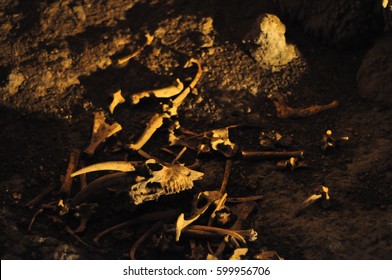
[48,45]
[340,23]
[375,74]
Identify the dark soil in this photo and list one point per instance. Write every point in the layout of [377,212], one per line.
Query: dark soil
[42,122]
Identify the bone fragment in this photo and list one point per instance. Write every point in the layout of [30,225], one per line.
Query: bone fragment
[284,111]
[123,166]
[72,165]
[157,119]
[127,58]
[166,92]
[268,155]
[181,223]
[101,131]
[117,99]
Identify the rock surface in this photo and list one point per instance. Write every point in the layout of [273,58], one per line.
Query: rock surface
[374,75]
[339,23]
[268,40]
[46,61]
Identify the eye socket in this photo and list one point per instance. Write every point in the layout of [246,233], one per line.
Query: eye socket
[202,202]
[154,166]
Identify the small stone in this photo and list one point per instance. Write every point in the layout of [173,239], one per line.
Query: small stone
[66,252]
[15,79]
[206,26]
[267,43]
[79,13]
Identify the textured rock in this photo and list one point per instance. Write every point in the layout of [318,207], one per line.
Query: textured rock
[75,16]
[340,23]
[374,75]
[268,43]
[49,45]
[46,77]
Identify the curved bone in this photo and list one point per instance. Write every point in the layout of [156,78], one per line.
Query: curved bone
[123,166]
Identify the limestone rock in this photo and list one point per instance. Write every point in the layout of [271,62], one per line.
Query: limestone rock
[15,79]
[268,43]
[75,16]
[339,23]
[374,75]
[47,77]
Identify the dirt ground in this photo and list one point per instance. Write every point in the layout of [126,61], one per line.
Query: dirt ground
[44,116]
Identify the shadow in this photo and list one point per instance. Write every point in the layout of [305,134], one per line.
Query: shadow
[34,146]
[231,18]
[4,73]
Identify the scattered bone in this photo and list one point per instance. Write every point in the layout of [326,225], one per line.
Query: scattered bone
[148,156]
[72,165]
[273,139]
[122,61]
[182,223]
[117,99]
[178,101]
[238,253]
[84,211]
[208,197]
[223,217]
[220,142]
[166,92]
[219,251]
[242,211]
[63,208]
[173,139]
[57,220]
[244,199]
[311,199]
[291,164]
[168,111]
[83,177]
[329,142]
[226,175]
[142,238]
[207,231]
[123,166]
[155,123]
[322,195]
[171,179]
[118,178]
[220,204]
[180,154]
[211,257]
[39,211]
[284,111]
[40,196]
[168,151]
[101,131]
[154,216]
[271,155]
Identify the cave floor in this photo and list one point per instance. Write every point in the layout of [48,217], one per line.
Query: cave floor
[357,224]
